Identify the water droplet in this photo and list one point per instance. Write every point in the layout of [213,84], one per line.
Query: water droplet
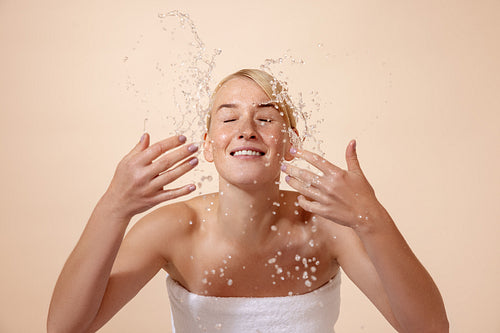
[274,228]
[308,283]
[229,282]
[272,260]
[297,257]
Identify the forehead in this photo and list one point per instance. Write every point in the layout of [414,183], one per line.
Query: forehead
[240,89]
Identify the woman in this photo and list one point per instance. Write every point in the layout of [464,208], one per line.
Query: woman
[248,258]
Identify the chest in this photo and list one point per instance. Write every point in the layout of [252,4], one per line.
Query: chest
[289,269]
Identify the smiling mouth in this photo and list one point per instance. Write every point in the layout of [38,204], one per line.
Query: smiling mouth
[246,152]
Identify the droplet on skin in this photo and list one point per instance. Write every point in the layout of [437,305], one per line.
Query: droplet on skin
[229,282]
[272,260]
[297,257]
[274,228]
[308,283]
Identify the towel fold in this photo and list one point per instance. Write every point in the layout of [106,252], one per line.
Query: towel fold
[316,311]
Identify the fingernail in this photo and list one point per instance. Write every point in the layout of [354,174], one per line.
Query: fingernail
[283,167]
[192,148]
[287,178]
[182,138]
[194,161]
[293,151]
[142,137]
[192,188]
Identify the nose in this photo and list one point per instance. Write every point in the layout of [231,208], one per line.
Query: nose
[247,130]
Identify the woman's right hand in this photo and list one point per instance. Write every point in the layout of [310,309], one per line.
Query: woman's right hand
[141,176]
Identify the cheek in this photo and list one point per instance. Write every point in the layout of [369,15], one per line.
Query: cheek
[219,141]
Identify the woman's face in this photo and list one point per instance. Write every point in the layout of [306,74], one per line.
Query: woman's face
[247,138]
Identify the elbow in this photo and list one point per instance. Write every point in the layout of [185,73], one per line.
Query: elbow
[435,326]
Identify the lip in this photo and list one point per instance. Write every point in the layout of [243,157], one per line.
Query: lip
[242,148]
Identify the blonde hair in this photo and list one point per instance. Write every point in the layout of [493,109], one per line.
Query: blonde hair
[271,86]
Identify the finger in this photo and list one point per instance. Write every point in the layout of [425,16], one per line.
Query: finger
[305,189]
[317,161]
[170,194]
[171,175]
[351,157]
[310,206]
[142,144]
[303,175]
[157,149]
[168,160]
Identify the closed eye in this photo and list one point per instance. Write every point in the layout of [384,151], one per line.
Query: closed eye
[265,120]
[229,120]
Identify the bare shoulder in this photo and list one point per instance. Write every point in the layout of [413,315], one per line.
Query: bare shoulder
[164,228]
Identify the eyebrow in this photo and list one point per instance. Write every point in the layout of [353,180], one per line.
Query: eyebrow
[231,105]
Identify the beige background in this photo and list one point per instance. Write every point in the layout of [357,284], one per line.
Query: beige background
[416,82]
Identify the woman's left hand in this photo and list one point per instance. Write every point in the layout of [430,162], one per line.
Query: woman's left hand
[342,196]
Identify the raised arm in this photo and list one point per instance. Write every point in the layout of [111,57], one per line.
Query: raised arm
[80,301]
[375,256]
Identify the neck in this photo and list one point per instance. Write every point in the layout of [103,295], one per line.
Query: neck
[247,213]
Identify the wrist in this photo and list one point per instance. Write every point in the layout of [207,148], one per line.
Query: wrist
[373,220]
[108,207]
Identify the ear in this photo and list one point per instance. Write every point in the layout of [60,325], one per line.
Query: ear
[288,156]
[207,148]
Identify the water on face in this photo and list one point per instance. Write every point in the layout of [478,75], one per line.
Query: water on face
[170,76]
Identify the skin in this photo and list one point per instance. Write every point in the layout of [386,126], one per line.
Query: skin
[243,240]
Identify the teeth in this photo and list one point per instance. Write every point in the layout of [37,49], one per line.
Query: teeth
[247,153]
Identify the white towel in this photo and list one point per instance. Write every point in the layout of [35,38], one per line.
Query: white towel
[314,312]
